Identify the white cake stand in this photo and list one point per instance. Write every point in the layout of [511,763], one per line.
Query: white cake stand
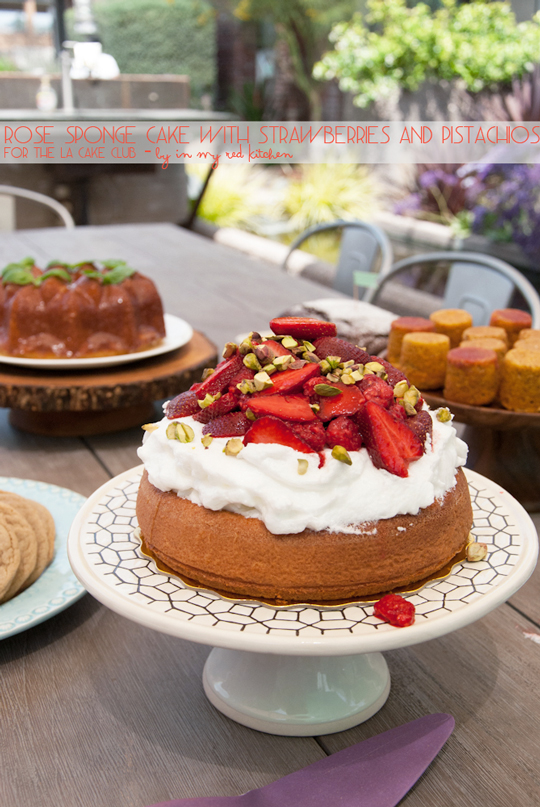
[301,670]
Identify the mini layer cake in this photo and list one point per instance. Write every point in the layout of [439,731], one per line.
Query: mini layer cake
[303,469]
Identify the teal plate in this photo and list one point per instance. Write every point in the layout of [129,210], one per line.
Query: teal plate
[57,588]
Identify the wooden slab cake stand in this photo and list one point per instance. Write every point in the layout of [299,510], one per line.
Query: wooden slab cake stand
[84,402]
[503,445]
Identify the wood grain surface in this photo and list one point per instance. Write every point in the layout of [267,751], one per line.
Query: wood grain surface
[97,710]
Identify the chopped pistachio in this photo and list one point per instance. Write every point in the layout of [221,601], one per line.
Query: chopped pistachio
[233,447]
[270,368]
[375,368]
[229,350]
[341,454]
[181,432]
[347,378]
[308,346]
[409,408]
[412,395]
[312,357]
[333,361]
[207,372]
[326,390]
[282,362]
[252,362]
[476,551]
[315,407]
[297,365]
[208,399]
[249,414]
[333,377]
[264,353]
[289,342]
[302,467]
[347,364]
[325,367]
[150,427]
[357,375]
[262,381]
[401,388]
[247,386]
[443,414]
[206,440]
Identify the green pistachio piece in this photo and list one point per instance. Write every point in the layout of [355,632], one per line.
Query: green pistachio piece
[206,372]
[333,377]
[347,364]
[262,381]
[324,366]
[341,454]
[252,362]
[476,551]
[150,427]
[282,362]
[206,440]
[409,408]
[308,346]
[356,375]
[303,465]
[247,386]
[181,432]
[315,407]
[229,350]
[208,399]
[326,390]
[233,447]
[250,415]
[443,414]
[347,378]
[333,361]
[289,342]
[270,368]
[400,389]
[412,395]
[375,368]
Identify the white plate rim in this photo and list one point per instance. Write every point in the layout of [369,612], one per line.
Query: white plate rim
[47,594]
[298,645]
[178,333]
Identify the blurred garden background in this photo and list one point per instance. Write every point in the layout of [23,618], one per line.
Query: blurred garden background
[350,60]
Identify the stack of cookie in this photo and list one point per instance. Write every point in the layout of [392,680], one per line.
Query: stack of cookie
[26,543]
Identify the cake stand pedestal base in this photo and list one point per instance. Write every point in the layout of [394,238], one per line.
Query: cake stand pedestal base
[297,696]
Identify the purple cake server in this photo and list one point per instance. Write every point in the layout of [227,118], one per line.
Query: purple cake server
[374,773]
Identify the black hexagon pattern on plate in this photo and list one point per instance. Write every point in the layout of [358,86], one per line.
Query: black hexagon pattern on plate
[113,550]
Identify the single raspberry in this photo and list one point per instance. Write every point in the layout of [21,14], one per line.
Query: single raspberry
[234,424]
[343,431]
[395,609]
[398,412]
[421,425]
[222,406]
[377,390]
[313,434]
[333,346]
[183,405]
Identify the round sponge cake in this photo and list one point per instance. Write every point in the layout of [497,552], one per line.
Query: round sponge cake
[231,553]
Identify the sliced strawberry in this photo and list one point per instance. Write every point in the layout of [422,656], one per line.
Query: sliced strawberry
[244,374]
[272,430]
[302,327]
[376,389]
[343,431]
[290,381]
[390,443]
[220,379]
[309,387]
[234,424]
[347,403]
[333,346]
[222,406]
[394,375]
[278,348]
[183,405]
[422,425]
[314,434]
[291,407]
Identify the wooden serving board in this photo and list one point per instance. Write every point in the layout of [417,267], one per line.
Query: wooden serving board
[84,402]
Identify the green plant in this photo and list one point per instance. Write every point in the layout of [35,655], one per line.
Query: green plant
[230,200]
[396,47]
[159,37]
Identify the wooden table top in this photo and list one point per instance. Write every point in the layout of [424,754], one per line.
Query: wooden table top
[97,710]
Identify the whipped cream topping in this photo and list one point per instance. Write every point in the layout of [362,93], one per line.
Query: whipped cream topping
[263,482]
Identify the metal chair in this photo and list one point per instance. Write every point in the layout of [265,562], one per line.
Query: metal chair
[478,283]
[360,247]
[41,198]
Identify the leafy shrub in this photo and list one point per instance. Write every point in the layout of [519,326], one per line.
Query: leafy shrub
[159,37]
[396,47]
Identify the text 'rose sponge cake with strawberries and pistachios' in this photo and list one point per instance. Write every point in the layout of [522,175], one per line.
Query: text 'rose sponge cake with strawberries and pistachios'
[303,469]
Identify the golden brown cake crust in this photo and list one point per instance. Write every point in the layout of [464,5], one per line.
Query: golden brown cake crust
[231,553]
